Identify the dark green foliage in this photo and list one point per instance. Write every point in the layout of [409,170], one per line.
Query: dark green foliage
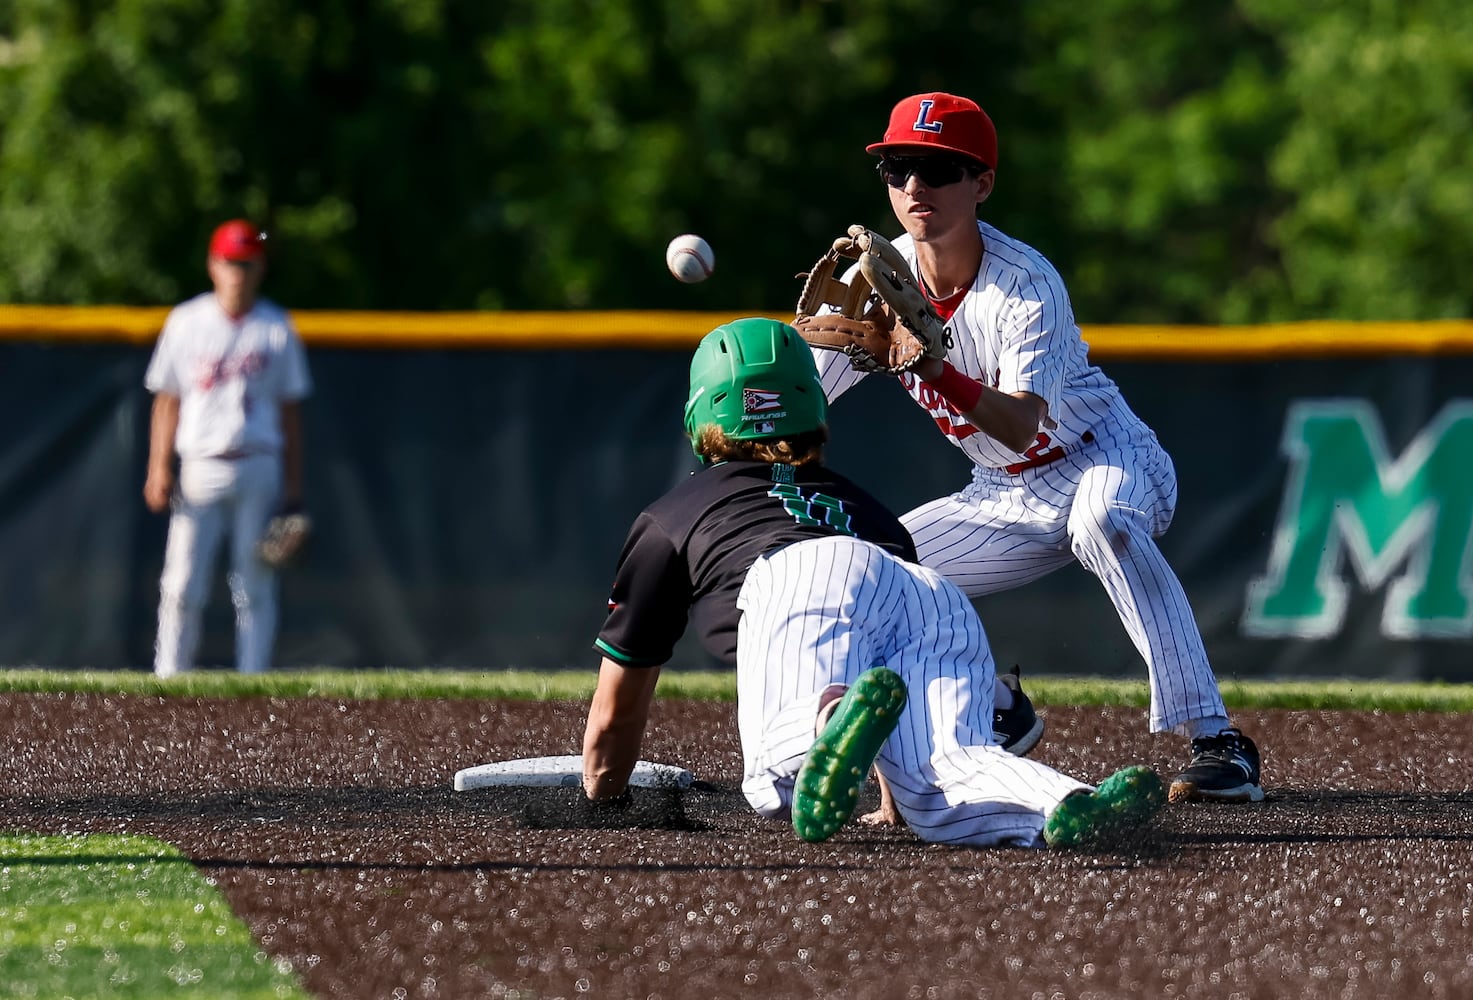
[1179,160]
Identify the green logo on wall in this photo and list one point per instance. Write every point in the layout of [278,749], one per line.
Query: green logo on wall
[1403,521]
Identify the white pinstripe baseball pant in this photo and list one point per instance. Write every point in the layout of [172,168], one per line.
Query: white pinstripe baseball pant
[1104,505]
[823,611]
[218,497]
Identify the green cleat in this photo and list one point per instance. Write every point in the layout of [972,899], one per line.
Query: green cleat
[827,789]
[1124,801]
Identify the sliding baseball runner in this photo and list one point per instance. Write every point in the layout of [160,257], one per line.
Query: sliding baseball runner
[847,652]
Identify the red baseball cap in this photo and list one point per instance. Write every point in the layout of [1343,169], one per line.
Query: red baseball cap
[238,240]
[940,122]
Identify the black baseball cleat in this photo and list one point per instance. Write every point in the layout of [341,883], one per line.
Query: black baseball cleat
[1017,729]
[1224,768]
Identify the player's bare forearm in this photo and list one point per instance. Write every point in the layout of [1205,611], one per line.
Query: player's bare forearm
[163,425]
[887,814]
[292,460]
[617,717]
[1012,418]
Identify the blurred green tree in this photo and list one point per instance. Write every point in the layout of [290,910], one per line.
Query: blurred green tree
[131,128]
[1179,160]
[433,154]
[1163,111]
[1375,171]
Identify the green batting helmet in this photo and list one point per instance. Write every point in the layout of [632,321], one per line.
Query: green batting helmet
[754,378]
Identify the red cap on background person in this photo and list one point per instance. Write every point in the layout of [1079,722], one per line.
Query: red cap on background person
[939,123]
[238,240]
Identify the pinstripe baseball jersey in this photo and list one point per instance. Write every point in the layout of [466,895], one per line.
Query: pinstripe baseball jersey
[1014,330]
[688,553]
[1095,486]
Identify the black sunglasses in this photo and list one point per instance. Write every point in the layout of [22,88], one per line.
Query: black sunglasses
[932,171]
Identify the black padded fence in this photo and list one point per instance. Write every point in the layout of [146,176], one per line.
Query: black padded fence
[470,504]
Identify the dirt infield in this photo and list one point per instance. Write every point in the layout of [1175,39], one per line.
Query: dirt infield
[333,830]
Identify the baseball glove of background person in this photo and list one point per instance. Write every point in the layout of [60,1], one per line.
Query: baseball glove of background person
[284,538]
[881,318]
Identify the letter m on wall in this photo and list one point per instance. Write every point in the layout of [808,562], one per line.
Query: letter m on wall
[1349,505]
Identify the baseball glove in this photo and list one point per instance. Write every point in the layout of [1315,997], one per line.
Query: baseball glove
[881,319]
[284,538]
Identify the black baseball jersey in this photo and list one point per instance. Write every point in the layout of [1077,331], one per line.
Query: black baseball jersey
[689,551]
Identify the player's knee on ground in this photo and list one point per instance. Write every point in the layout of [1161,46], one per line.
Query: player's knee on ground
[768,797]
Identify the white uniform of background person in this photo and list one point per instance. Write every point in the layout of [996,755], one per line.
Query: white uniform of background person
[231,385]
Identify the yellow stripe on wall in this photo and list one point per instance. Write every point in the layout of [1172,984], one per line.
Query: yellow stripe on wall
[662,330]
[411,330]
[1320,339]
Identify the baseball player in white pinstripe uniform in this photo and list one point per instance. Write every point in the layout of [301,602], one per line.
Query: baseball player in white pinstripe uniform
[228,376]
[848,654]
[1063,470]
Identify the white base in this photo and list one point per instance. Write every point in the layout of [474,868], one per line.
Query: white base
[563,771]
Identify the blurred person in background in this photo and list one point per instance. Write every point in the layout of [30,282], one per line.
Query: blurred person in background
[228,375]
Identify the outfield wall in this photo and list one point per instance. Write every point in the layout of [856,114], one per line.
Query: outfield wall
[472,477]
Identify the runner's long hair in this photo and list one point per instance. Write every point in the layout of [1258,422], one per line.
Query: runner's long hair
[806,448]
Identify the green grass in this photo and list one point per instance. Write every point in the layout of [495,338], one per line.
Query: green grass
[1299,695]
[122,917]
[1329,695]
[515,685]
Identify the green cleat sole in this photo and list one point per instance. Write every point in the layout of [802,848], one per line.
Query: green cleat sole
[829,782]
[1123,802]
